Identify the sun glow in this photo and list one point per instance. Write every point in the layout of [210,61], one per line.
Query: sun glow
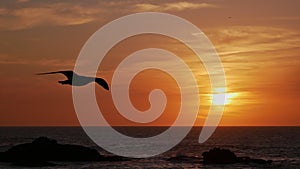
[221,97]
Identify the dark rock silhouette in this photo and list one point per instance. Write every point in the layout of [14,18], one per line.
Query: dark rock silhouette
[33,163]
[46,149]
[225,156]
[219,156]
[78,80]
[42,150]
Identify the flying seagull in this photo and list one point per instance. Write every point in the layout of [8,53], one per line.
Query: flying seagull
[78,80]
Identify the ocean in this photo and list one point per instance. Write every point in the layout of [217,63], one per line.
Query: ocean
[279,144]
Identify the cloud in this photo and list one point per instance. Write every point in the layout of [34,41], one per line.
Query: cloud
[259,60]
[22,1]
[24,14]
[5,59]
[279,18]
[50,63]
[176,6]
[245,40]
[3,11]
[46,14]
[3,56]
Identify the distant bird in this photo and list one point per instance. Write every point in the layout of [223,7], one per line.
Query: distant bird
[78,80]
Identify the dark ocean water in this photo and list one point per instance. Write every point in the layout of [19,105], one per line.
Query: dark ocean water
[279,144]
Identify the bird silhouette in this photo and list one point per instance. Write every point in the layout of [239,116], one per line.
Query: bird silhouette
[77,80]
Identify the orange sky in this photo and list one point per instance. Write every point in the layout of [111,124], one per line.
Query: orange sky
[258,43]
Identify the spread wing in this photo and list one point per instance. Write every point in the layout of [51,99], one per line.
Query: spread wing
[102,83]
[67,73]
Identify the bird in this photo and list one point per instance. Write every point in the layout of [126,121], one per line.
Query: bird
[77,80]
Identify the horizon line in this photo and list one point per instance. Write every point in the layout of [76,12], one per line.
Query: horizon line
[148,126]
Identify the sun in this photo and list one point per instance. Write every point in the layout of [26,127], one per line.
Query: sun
[221,97]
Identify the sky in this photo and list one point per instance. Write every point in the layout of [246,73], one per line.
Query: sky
[257,41]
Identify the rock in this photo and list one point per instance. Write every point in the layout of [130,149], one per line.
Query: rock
[219,156]
[225,156]
[34,163]
[43,149]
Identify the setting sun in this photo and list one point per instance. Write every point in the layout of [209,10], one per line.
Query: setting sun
[218,97]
